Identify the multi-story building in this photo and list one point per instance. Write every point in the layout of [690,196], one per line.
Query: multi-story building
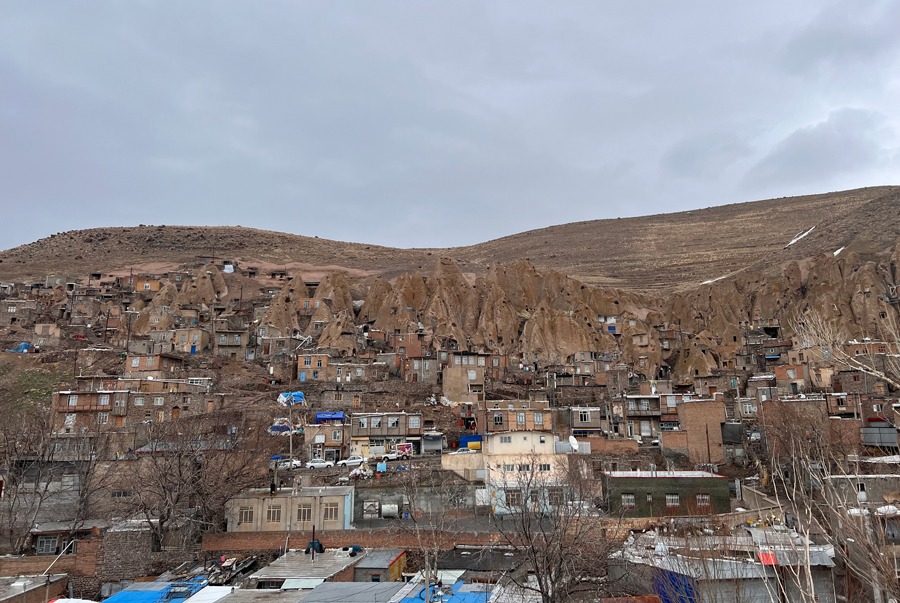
[329,437]
[384,429]
[507,415]
[259,510]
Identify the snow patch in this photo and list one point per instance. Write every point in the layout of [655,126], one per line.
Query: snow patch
[799,236]
[712,280]
[837,252]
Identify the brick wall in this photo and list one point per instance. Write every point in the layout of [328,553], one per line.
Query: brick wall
[702,420]
[606,445]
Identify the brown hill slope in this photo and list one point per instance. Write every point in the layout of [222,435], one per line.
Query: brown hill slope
[666,251]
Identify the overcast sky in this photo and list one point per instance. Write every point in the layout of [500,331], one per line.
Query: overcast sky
[433,124]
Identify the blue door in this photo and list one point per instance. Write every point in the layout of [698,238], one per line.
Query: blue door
[302,376]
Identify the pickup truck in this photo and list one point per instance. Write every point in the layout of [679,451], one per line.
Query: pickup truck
[393,455]
[402,451]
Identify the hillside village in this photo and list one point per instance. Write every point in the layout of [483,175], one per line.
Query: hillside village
[242,427]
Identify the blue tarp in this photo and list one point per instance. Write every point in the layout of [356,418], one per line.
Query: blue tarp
[465,439]
[22,348]
[329,416]
[153,592]
[291,398]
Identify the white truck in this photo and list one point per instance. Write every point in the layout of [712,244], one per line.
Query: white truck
[401,451]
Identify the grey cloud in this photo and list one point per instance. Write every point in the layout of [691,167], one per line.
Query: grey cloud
[850,140]
[420,124]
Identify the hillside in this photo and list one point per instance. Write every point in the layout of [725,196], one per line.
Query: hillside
[661,252]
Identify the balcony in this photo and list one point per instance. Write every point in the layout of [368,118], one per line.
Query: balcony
[644,412]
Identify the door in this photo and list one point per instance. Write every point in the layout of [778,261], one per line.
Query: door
[645,428]
[302,376]
[193,350]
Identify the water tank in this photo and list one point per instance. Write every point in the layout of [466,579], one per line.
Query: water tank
[390,510]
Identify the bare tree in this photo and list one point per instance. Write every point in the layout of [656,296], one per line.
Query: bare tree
[434,500]
[815,330]
[27,457]
[187,472]
[544,506]
[821,501]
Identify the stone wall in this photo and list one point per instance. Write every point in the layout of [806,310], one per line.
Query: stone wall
[128,554]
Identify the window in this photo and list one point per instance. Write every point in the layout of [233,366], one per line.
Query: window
[135,362]
[158,400]
[472,375]
[363,422]
[245,515]
[307,361]
[498,419]
[315,374]
[538,418]
[376,422]
[103,418]
[628,502]
[414,422]
[876,407]
[318,363]
[73,400]
[703,501]
[337,435]
[555,496]
[46,545]
[222,339]
[524,468]
[104,399]
[509,467]
[513,498]
[584,416]
[330,512]
[375,577]
[506,439]
[148,361]
[671,401]
[139,401]
[520,418]
[543,439]
[393,422]
[481,361]
[749,408]
[544,467]
[122,494]
[11,309]
[304,513]
[673,501]
[273,513]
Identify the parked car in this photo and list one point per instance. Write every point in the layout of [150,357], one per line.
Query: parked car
[463,451]
[319,464]
[352,461]
[288,464]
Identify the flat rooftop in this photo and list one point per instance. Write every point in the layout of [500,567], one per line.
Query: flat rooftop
[298,565]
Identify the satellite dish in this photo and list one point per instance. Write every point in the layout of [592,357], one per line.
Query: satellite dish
[573,443]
